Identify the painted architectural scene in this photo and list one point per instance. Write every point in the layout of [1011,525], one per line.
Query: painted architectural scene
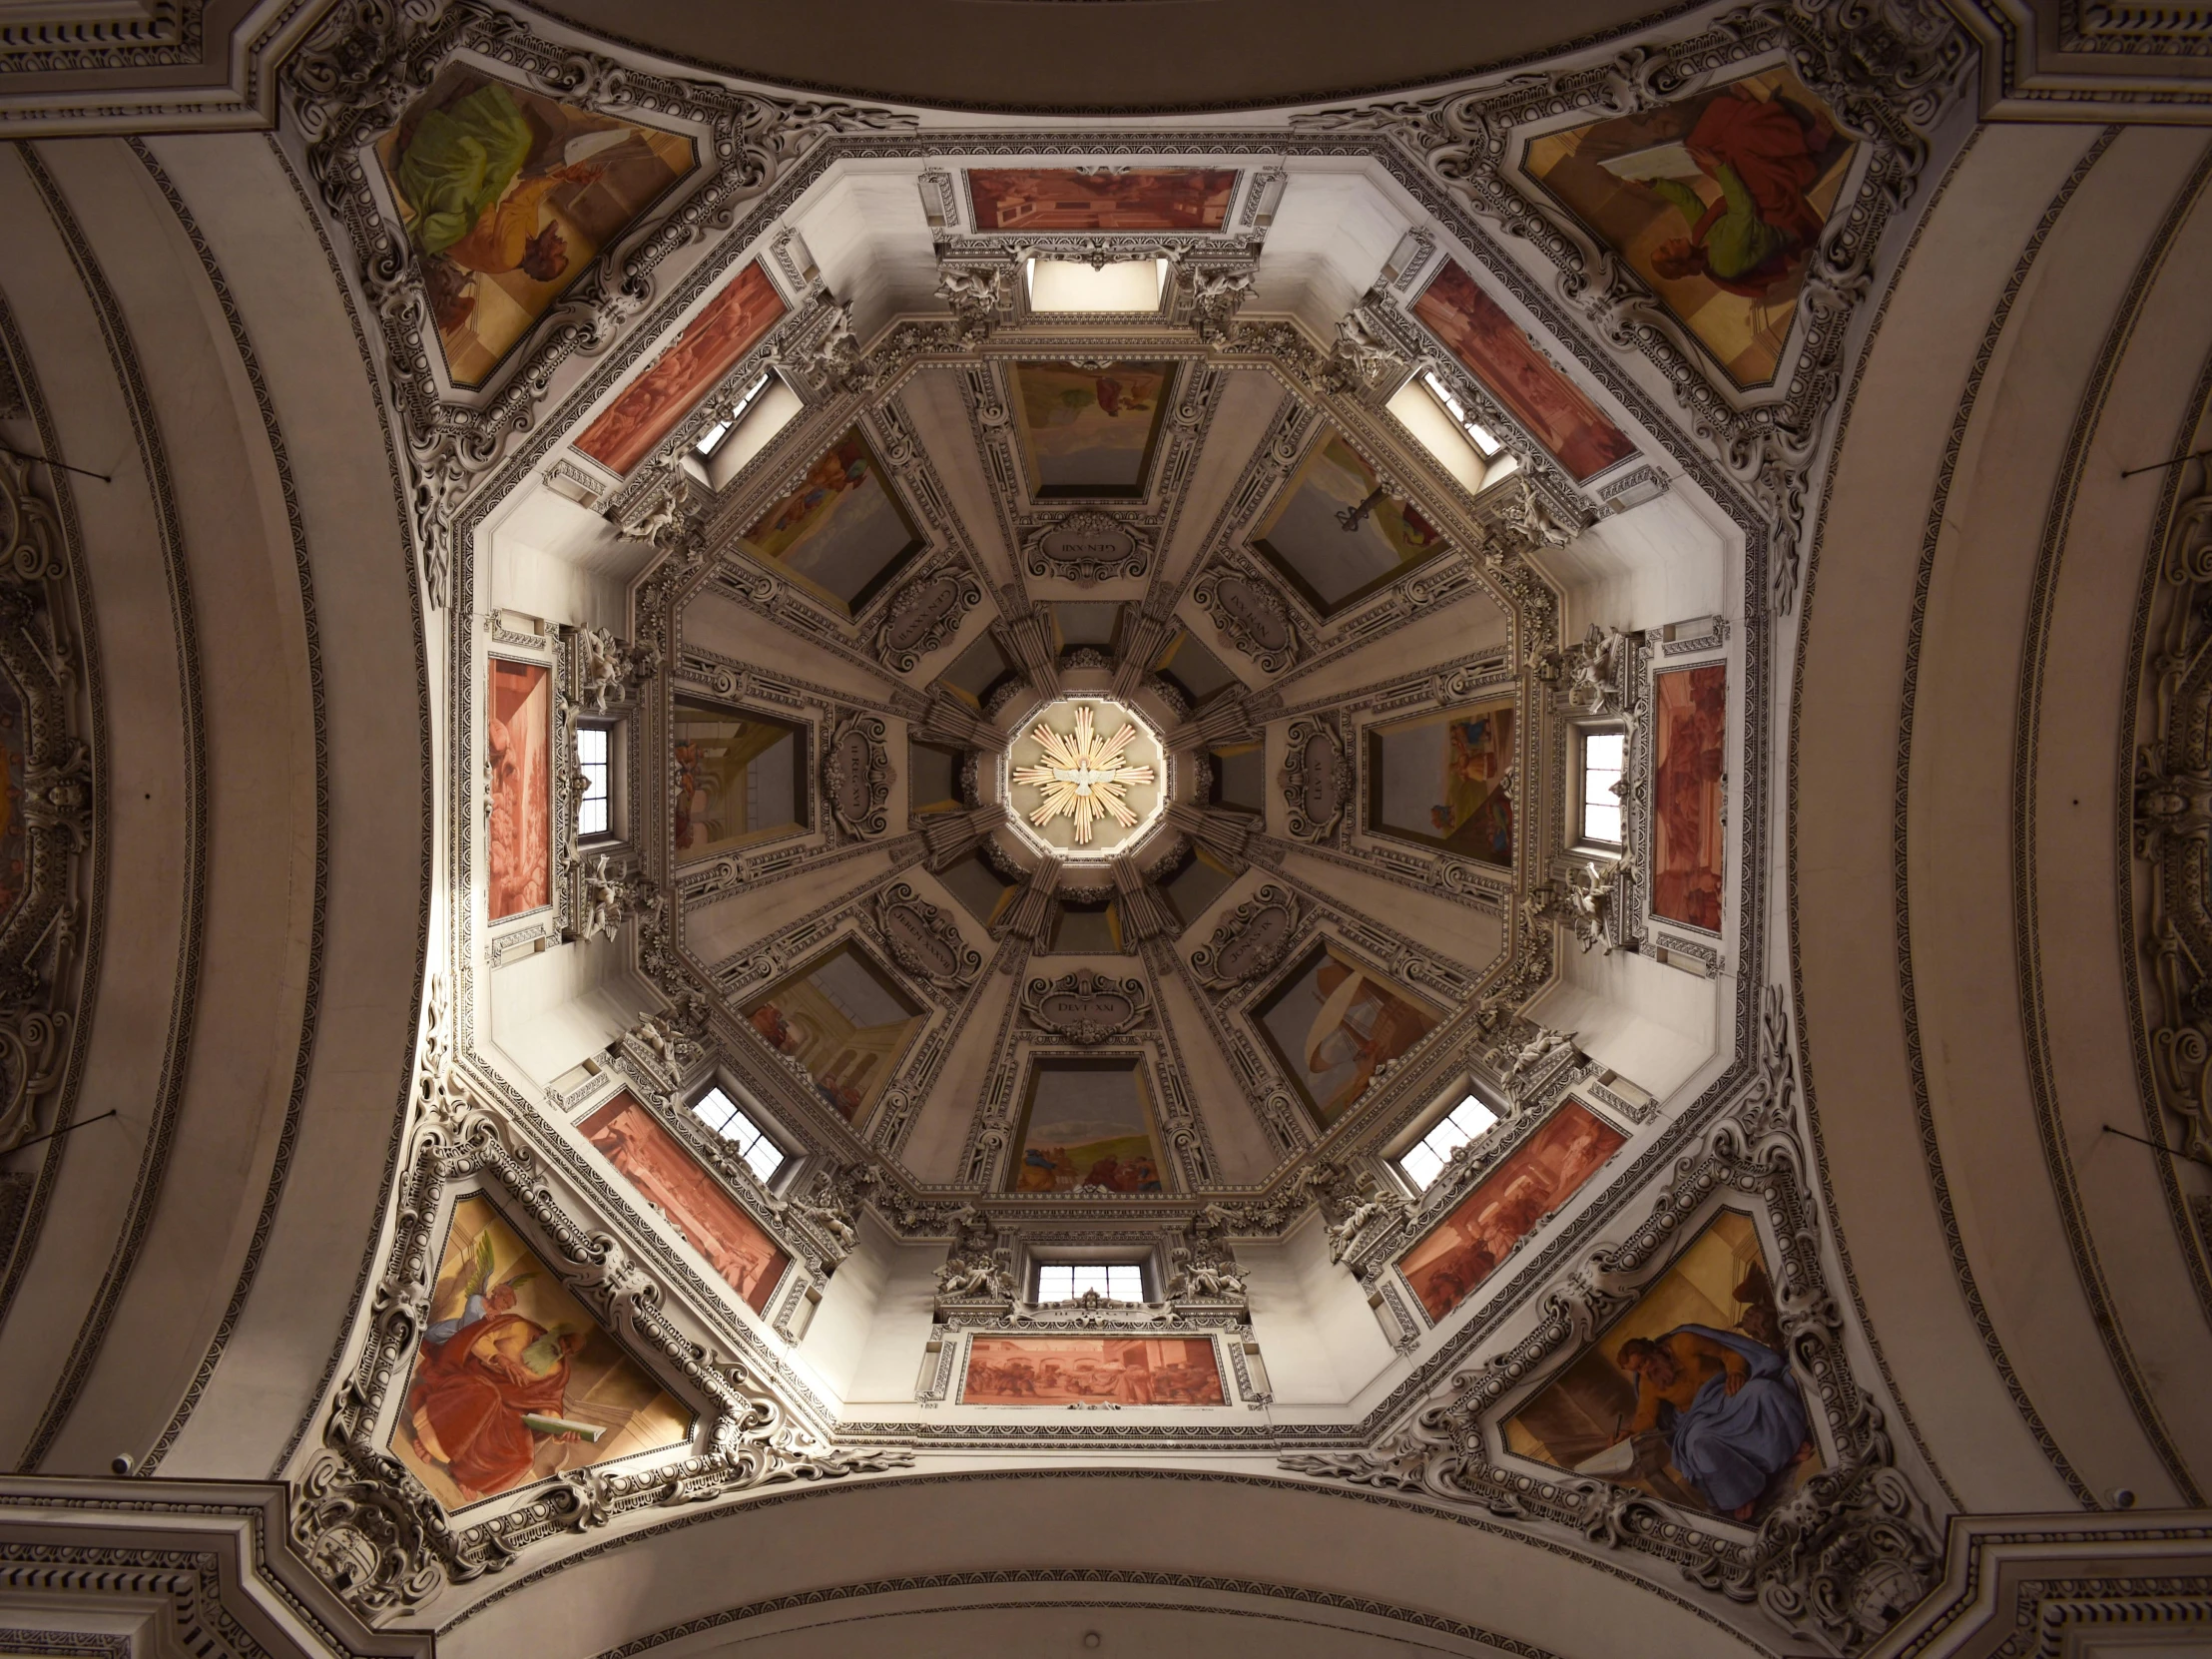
[1689,718]
[739,778]
[845,1022]
[669,1178]
[711,345]
[1090,433]
[518,737]
[1338,535]
[1688,1396]
[1067,1370]
[1333,1022]
[1087,1123]
[843,532]
[507,197]
[514,1382]
[1506,1205]
[1495,350]
[1717,201]
[1101,198]
[1445,780]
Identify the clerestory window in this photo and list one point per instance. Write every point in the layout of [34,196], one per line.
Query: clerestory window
[729,1120]
[1066,1281]
[1425,1159]
[1604,751]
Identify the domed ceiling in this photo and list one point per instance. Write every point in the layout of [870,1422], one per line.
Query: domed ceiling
[1105,799]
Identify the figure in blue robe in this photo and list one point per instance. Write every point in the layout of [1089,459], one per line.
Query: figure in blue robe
[1732,1418]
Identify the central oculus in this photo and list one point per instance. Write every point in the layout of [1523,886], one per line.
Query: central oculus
[1085,778]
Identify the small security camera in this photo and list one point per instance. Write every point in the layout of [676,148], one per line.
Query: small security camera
[2121,1497]
[122,1464]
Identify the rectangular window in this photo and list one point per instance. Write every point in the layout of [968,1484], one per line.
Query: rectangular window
[1065,1281]
[726,1119]
[711,439]
[1477,435]
[595,759]
[1423,1161]
[1602,756]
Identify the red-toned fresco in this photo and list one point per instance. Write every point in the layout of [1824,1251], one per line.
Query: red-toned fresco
[1543,1172]
[706,349]
[1495,351]
[1689,750]
[1063,199]
[667,1175]
[518,733]
[1064,1370]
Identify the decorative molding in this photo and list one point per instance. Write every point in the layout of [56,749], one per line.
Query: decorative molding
[1086,1009]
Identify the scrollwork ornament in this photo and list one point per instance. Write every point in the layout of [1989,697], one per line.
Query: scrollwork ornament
[856,775]
[1249,613]
[925,613]
[1316,778]
[924,940]
[1250,941]
[1084,1007]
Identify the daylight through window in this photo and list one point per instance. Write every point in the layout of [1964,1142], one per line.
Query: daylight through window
[710,439]
[1601,770]
[1477,435]
[723,1115]
[1460,1125]
[595,813]
[1065,1281]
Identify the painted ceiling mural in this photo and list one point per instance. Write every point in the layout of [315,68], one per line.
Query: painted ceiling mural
[1089,784]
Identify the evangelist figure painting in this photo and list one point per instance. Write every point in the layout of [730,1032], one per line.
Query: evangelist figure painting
[844,1020]
[1688,1397]
[507,197]
[1496,350]
[670,1179]
[1087,1124]
[1333,1022]
[729,326]
[1338,535]
[514,1381]
[518,734]
[1689,751]
[842,532]
[739,778]
[1064,1370]
[1089,432]
[1717,201]
[1542,1173]
[1445,780]
[1101,198]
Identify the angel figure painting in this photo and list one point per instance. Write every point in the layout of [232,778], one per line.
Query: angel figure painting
[845,1022]
[513,1380]
[1689,751]
[1335,1022]
[1087,1125]
[843,532]
[1689,1397]
[1445,780]
[507,197]
[1338,535]
[1538,1176]
[518,730]
[1089,432]
[1718,201]
[670,1179]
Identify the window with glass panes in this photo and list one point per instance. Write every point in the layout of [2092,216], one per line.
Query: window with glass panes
[1454,1130]
[729,1120]
[595,745]
[1603,757]
[1065,1281]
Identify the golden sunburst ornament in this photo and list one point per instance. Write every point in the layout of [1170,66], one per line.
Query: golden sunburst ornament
[1085,776]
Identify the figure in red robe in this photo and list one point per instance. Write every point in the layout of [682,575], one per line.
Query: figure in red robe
[472,1390]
